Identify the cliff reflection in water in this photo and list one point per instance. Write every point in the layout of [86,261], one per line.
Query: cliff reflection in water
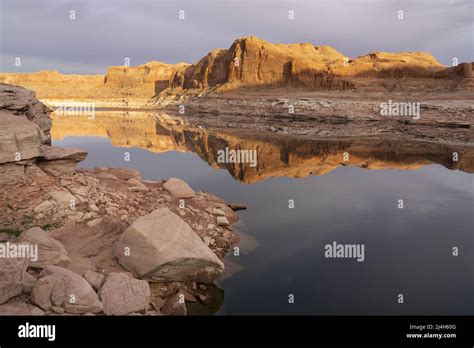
[277,155]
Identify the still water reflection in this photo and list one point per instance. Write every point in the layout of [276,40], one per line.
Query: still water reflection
[407,251]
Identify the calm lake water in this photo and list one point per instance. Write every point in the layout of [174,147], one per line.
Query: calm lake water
[407,251]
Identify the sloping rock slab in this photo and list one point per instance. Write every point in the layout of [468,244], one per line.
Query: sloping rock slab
[50,251]
[51,153]
[91,248]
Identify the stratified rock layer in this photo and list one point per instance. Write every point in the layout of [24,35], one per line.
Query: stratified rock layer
[22,102]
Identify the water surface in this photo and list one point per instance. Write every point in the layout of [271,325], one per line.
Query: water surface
[407,251]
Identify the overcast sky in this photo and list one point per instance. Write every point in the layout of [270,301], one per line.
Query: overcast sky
[104,32]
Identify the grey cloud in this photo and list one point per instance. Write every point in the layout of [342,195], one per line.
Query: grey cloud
[105,32]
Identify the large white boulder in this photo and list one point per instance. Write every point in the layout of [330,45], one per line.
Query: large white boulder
[161,246]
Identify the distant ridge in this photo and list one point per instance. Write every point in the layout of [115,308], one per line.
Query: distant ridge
[251,62]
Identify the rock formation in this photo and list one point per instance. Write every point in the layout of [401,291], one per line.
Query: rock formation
[253,62]
[249,63]
[60,289]
[12,275]
[122,294]
[145,79]
[23,102]
[122,86]
[178,188]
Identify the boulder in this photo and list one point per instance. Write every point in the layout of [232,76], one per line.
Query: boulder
[63,197]
[43,207]
[50,250]
[217,211]
[95,279]
[162,247]
[94,222]
[107,176]
[19,308]
[49,291]
[80,191]
[174,305]
[178,188]
[12,273]
[122,294]
[222,221]
[60,287]
[28,283]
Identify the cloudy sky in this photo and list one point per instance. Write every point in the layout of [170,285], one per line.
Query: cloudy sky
[105,32]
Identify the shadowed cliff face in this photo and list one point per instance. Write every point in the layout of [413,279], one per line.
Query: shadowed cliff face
[276,155]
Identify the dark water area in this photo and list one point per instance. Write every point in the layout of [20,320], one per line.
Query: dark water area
[408,251]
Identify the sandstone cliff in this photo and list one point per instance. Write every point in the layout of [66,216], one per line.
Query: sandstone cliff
[122,86]
[253,62]
[146,79]
[53,84]
[250,63]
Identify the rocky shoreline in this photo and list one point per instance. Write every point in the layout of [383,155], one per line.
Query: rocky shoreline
[107,241]
[443,118]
